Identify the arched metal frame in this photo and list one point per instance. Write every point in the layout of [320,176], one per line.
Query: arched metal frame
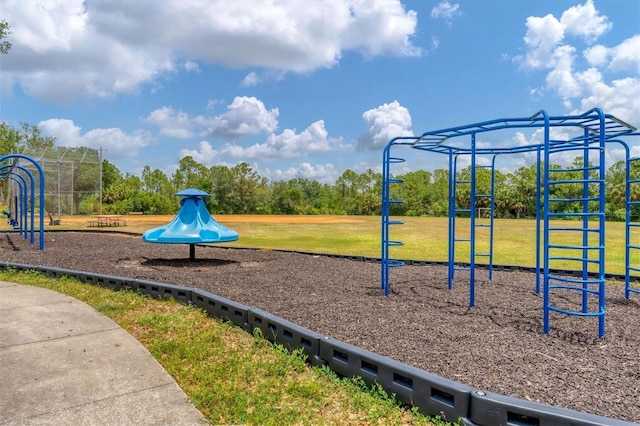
[11,171]
[595,129]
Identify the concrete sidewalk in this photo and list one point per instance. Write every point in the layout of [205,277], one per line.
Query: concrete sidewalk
[63,363]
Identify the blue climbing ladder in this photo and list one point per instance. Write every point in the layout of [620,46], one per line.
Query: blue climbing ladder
[632,230]
[477,224]
[387,181]
[575,193]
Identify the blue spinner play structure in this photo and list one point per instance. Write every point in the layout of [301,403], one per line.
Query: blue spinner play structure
[587,135]
[192,225]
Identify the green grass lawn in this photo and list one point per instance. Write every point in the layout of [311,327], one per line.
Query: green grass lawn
[425,238]
[231,376]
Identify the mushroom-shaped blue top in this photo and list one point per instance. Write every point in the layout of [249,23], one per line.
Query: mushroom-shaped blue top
[191,192]
[193,224]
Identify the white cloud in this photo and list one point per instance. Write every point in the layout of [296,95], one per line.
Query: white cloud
[245,116]
[597,55]
[289,144]
[250,80]
[585,21]
[383,124]
[547,48]
[117,143]
[172,123]
[206,155]
[63,49]
[324,173]
[446,10]
[626,56]
[542,37]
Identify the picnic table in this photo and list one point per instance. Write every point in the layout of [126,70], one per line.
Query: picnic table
[107,220]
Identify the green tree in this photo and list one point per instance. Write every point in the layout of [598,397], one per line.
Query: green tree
[191,174]
[252,190]
[4,32]
[223,190]
[416,192]
[156,181]
[32,142]
[286,198]
[9,139]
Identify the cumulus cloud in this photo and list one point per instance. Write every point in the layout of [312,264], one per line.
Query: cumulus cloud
[287,144]
[206,155]
[383,124]
[63,49]
[245,116]
[113,140]
[172,123]
[552,45]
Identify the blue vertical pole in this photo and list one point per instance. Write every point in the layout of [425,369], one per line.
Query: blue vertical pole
[601,242]
[472,248]
[627,233]
[545,295]
[452,212]
[585,223]
[492,214]
[538,183]
[384,257]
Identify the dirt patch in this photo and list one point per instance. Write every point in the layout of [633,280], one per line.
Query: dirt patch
[497,346]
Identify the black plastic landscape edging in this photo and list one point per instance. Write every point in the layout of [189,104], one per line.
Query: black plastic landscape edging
[432,394]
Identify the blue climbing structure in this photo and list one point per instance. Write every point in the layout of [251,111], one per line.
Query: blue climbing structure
[576,193]
[22,198]
[192,225]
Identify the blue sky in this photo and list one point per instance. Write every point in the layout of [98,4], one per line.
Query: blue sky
[307,88]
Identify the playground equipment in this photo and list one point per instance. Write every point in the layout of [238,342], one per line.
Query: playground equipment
[585,135]
[192,225]
[24,200]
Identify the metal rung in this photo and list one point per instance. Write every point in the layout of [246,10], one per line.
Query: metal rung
[394,180]
[575,170]
[575,214]
[633,268]
[633,246]
[395,243]
[483,225]
[634,203]
[483,195]
[576,313]
[571,200]
[559,182]
[396,160]
[634,225]
[395,222]
[576,229]
[396,201]
[574,259]
[634,180]
[555,246]
[464,240]
[460,268]
[573,280]
[483,254]
[463,181]
[463,210]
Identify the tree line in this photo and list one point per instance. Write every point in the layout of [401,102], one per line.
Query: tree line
[241,190]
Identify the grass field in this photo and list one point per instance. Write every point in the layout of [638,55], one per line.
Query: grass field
[425,238]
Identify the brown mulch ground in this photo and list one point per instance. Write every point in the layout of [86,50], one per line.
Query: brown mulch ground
[497,346]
